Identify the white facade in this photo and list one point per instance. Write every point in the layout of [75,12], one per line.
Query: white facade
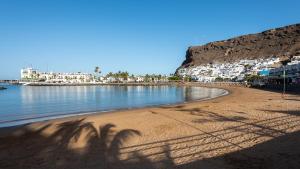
[130,79]
[30,74]
[140,79]
[236,70]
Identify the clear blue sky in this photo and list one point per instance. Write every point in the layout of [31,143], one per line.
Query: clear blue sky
[140,36]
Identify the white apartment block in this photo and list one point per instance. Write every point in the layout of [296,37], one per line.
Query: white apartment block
[30,74]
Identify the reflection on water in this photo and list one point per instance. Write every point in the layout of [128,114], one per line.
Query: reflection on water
[22,104]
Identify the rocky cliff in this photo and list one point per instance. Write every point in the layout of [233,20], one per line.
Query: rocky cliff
[275,42]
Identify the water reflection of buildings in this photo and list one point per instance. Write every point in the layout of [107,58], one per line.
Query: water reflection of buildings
[39,101]
[35,99]
[200,93]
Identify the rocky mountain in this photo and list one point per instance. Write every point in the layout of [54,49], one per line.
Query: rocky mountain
[277,42]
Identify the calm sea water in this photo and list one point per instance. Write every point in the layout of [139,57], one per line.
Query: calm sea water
[25,104]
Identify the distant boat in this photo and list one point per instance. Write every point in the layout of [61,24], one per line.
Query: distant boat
[25,84]
[2,88]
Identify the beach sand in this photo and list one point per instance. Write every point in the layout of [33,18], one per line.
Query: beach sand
[249,128]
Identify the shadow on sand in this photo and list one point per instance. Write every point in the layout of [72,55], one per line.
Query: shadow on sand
[290,89]
[105,148]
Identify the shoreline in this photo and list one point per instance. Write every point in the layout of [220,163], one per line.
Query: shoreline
[239,130]
[95,84]
[28,121]
[176,83]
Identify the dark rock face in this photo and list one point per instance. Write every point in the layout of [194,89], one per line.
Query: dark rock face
[274,42]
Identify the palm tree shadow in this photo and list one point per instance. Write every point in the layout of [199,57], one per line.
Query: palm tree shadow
[70,131]
[34,149]
[104,145]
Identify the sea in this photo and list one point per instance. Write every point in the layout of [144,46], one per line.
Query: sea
[26,104]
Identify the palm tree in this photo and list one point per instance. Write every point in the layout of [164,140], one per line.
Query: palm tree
[97,71]
[159,76]
[37,76]
[146,79]
[110,74]
[125,75]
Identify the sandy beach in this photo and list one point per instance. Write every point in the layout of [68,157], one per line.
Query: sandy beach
[249,128]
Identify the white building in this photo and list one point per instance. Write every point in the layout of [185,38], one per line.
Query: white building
[236,70]
[130,79]
[140,79]
[30,74]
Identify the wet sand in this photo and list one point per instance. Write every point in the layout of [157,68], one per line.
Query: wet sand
[249,128]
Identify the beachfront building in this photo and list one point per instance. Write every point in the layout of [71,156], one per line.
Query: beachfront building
[131,79]
[140,79]
[292,72]
[30,74]
[33,75]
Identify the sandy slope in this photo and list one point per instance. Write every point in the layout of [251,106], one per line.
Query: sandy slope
[249,128]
